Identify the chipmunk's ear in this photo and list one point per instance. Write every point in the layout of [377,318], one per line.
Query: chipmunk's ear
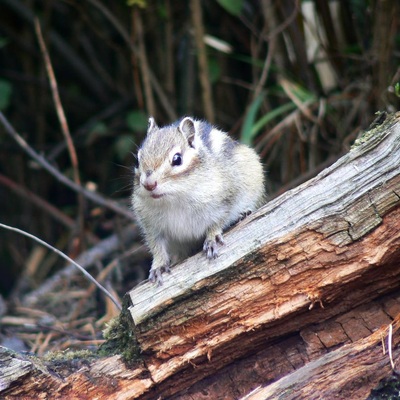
[188,129]
[151,124]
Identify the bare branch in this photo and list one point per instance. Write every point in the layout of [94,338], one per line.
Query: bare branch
[44,205]
[63,123]
[197,19]
[144,65]
[60,253]
[95,197]
[156,86]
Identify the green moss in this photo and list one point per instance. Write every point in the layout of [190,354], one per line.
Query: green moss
[381,122]
[68,355]
[64,363]
[120,337]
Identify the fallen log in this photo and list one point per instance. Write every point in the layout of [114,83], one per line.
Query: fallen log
[351,368]
[313,254]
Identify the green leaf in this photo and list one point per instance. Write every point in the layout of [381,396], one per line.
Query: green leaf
[246,135]
[275,113]
[251,127]
[302,93]
[397,89]
[123,146]
[233,7]
[5,94]
[137,121]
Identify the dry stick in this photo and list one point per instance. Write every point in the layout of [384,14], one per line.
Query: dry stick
[156,86]
[43,204]
[144,66]
[64,47]
[197,19]
[95,197]
[109,111]
[280,28]
[384,35]
[265,70]
[89,257]
[390,337]
[60,253]
[169,60]
[276,132]
[89,292]
[137,87]
[289,89]
[63,123]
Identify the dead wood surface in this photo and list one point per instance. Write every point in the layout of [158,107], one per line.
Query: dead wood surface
[289,354]
[312,255]
[351,368]
[362,364]
[333,242]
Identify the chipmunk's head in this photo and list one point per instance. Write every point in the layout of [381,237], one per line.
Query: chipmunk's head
[167,157]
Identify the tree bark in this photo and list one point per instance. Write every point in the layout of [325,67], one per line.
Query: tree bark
[351,367]
[298,290]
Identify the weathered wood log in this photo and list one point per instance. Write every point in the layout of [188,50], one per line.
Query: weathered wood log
[73,375]
[350,368]
[309,256]
[332,242]
[296,351]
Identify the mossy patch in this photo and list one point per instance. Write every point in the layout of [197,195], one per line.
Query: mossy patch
[382,122]
[120,337]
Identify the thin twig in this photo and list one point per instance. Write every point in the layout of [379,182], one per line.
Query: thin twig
[63,123]
[390,344]
[33,198]
[162,97]
[60,253]
[289,88]
[57,102]
[98,252]
[195,6]
[137,87]
[95,197]
[169,52]
[144,65]
[266,67]
[100,278]
[280,28]
[64,48]
[110,110]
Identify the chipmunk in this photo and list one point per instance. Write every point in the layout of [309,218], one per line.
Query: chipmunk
[191,182]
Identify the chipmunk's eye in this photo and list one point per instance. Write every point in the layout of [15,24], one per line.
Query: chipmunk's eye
[177,159]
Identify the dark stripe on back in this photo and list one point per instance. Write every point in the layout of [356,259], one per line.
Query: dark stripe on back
[229,147]
[205,133]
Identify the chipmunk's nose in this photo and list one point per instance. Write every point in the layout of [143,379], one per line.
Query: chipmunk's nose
[148,180]
[150,183]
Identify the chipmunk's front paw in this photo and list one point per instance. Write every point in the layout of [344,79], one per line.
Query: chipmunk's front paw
[211,246]
[243,215]
[155,275]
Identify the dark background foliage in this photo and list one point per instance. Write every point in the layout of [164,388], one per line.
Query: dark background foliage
[298,80]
